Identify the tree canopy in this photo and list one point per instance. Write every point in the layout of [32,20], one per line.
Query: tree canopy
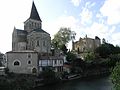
[107,49]
[115,76]
[62,37]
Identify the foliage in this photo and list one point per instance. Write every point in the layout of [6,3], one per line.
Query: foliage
[117,50]
[105,50]
[113,59]
[62,37]
[115,76]
[48,75]
[103,41]
[70,56]
[78,65]
[64,49]
[90,56]
[18,82]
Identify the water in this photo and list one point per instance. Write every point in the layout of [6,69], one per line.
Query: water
[91,84]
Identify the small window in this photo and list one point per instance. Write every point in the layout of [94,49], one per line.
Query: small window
[61,62]
[55,61]
[30,25]
[29,62]
[29,55]
[16,63]
[38,43]
[44,43]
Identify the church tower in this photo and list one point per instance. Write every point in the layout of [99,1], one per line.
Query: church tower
[34,21]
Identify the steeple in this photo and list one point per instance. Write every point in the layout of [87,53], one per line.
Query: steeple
[34,13]
[34,21]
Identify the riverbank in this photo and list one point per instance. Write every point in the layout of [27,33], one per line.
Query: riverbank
[101,83]
[26,82]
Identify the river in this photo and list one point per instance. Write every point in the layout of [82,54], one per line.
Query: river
[103,83]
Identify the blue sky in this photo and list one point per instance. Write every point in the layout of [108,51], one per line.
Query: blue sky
[92,17]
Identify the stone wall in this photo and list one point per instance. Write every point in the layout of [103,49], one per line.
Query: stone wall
[22,62]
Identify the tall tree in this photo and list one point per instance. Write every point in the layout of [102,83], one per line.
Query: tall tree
[105,50]
[62,37]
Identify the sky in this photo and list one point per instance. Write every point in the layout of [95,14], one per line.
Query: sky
[86,17]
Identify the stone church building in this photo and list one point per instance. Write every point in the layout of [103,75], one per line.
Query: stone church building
[31,48]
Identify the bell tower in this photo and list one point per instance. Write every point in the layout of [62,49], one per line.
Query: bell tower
[34,21]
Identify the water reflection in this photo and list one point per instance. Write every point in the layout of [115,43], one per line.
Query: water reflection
[91,84]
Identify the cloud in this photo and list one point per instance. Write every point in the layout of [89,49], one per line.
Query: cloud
[76,2]
[62,21]
[86,16]
[100,30]
[111,9]
[11,16]
[116,38]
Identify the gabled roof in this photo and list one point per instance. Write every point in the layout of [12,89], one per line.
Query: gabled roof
[34,13]
[39,30]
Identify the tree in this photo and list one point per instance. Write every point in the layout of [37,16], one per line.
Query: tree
[71,57]
[115,76]
[103,41]
[90,56]
[48,75]
[62,37]
[105,50]
[64,49]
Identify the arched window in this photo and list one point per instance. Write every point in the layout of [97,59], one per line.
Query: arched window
[78,50]
[38,44]
[34,70]
[16,63]
[29,62]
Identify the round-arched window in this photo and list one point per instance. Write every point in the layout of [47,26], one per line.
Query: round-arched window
[16,63]
[29,62]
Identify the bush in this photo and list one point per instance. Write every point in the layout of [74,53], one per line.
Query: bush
[48,76]
[90,56]
[115,76]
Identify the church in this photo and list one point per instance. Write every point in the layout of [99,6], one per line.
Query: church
[31,48]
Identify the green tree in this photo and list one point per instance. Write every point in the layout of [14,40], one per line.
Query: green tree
[105,50]
[70,56]
[90,56]
[64,49]
[115,76]
[48,75]
[62,37]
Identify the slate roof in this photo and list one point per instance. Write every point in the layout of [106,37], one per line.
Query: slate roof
[19,31]
[39,30]
[34,13]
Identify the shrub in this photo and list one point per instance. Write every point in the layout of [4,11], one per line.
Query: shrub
[115,76]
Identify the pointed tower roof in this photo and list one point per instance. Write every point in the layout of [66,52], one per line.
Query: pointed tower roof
[34,13]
